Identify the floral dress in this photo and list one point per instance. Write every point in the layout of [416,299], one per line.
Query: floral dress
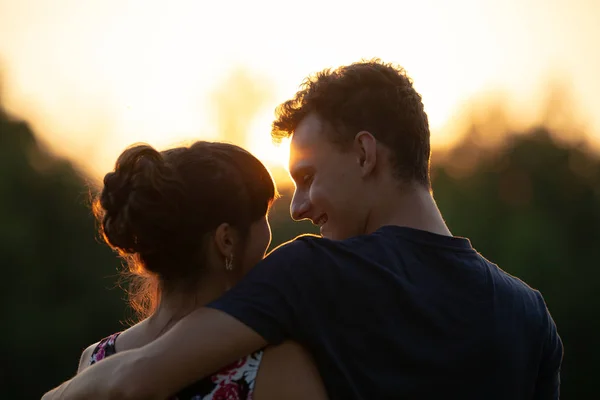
[235,382]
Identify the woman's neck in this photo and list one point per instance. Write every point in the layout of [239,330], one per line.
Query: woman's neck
[175,305]
[172,307]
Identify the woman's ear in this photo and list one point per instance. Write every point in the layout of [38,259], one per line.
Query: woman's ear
[225,240]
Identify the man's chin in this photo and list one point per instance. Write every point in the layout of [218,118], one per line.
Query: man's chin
[328,233]
[331,235]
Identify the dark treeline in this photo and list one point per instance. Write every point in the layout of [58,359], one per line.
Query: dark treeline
[531,204]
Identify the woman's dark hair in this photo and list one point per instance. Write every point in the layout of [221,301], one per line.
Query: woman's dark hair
[156,208]
[369,95]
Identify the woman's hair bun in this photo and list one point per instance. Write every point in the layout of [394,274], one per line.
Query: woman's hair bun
[135,197]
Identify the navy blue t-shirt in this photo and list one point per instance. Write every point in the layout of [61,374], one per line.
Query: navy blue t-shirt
[403,314]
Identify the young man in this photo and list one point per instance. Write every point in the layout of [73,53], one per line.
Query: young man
[389,303]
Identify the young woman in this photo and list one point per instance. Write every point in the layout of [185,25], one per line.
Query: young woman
[190,222]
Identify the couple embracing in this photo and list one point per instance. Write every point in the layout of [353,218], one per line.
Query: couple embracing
[387,304]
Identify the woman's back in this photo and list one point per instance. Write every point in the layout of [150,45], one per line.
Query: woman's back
[279,372]
[235,381]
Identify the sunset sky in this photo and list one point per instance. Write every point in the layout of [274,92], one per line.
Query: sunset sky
[95,76]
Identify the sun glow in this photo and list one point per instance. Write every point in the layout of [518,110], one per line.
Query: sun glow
[95,77]
[261,145]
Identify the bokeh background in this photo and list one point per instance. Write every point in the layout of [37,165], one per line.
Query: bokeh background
[512,89]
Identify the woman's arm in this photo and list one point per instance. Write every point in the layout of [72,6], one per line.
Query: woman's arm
[199,344]
[288,372]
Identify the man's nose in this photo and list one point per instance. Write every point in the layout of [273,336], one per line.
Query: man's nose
[300,207]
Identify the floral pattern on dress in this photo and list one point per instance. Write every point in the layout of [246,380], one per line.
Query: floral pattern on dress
[234,382]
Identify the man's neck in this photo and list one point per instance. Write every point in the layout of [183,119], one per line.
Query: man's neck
[410,206]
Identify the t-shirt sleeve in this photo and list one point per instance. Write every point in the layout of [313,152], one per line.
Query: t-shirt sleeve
[548,381]
[270,297]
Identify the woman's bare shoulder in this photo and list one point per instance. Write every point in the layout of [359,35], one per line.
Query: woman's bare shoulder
[288,371]
[86,357]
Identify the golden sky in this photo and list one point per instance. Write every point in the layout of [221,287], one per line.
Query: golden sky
[93,76]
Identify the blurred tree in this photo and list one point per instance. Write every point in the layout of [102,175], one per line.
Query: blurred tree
[54,296]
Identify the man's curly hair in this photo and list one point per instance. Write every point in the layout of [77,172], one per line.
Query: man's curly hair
[368,96]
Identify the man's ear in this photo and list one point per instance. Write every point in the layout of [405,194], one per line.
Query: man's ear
[365,146]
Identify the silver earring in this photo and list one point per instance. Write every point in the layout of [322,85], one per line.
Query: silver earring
[229,263]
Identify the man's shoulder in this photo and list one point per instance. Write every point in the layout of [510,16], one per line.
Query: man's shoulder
[86,357]
[513,282]
[310,245]
[305,244]
[517,289]
[310,251]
